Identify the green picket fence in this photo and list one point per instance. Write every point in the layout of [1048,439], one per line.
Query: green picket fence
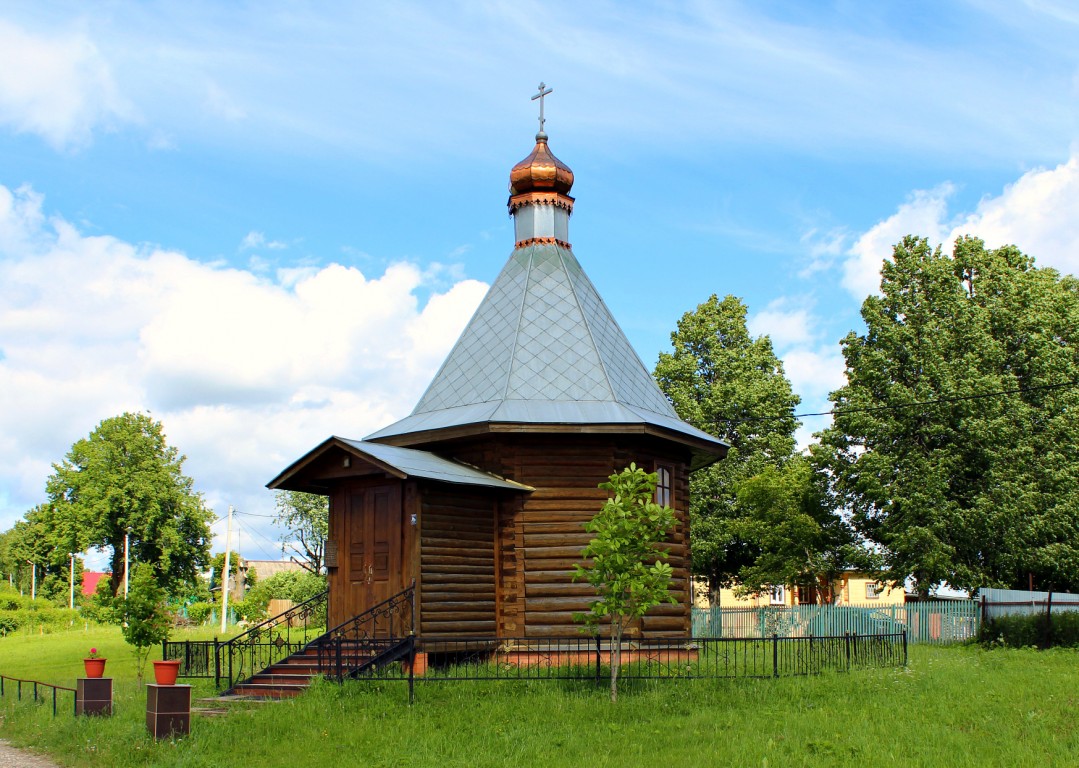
[939,622]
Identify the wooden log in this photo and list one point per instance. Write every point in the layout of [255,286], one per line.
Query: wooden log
[458,543]
[457,627]
[485,613]
[431,578]
[555,618]
[473,551]
[553,552]
[464,560]
[558,539]
[562,603]
[443,564]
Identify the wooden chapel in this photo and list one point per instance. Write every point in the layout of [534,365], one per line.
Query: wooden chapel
[480,494]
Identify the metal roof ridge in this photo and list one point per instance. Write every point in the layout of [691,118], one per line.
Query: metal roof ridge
[520,318]
[584,316]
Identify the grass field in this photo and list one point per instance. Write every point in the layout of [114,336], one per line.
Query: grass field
[959,706]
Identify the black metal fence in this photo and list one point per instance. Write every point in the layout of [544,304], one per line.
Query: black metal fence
[371,641]
[586,657]
[230,661]
[33,685]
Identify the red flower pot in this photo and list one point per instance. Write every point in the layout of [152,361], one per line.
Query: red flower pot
[165,672]
[94,667]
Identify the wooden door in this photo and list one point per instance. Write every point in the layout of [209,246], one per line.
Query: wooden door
[374,545]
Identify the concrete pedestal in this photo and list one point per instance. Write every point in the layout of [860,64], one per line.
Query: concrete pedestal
[93,696]
[168,710]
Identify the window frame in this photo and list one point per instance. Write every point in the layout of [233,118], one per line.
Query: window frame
[664,495]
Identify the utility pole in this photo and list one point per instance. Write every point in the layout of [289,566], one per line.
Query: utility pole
[127,552]
[33,579]
[71,600]
[225,574]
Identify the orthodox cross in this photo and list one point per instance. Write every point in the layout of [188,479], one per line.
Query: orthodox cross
[540,95]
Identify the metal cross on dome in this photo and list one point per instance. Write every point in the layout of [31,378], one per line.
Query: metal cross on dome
[540,96]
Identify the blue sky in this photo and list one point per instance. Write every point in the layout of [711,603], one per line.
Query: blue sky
[266,223]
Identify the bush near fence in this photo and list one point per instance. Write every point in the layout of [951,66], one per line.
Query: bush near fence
[1021,631]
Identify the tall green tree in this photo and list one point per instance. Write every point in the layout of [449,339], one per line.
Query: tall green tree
[42,541]
[789,516]
[306,520]
[954,443]
[624,564]
[125,477]
[732,385]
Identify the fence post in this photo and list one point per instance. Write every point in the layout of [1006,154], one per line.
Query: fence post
[217,664]
[599,653]
[904,646]
[846,635]
[775,654]
[411,667]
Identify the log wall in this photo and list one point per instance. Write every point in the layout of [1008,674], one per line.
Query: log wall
[457,562]
[540,535]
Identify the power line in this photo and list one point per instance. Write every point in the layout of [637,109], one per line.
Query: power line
[916,403]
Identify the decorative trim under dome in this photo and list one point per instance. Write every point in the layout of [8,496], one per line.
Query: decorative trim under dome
[541,241]
[540,198]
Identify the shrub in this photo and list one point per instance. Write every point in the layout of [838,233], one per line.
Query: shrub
[199,612]
[146,618]
[1021,631]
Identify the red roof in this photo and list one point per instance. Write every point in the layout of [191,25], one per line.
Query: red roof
[90,580]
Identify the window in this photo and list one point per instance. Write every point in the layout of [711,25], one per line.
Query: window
[872,590]
[779,595]
[663,486]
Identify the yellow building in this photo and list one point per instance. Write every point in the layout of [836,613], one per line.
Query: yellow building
[852,588]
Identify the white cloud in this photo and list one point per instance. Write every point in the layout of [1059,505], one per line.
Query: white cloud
[246,372]
[1039,213]
[255,239]
[786,323]
[60,88]
[923,214]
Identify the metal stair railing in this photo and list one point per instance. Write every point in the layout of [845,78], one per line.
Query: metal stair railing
[268,642]
[379,636]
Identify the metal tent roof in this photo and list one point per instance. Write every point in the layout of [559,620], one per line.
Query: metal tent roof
[543,348]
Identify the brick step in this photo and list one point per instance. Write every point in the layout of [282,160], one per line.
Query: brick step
[270,691]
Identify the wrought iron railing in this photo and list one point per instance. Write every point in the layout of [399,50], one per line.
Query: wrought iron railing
[198,658]
[267,643]
[368,642]
[541,658]
[33,685]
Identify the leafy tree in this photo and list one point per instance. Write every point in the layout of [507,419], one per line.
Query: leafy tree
[729,384]
[125,476]
[954,440]
[306,518]
[146,620]
[787,515]
[44,540]
[626,567]
[217,562]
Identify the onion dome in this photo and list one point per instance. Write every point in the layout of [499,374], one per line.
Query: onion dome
[541,172]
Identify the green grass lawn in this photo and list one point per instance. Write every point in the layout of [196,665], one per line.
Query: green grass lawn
[960,706]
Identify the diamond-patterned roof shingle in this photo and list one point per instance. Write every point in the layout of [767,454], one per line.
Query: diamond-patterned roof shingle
[542,348]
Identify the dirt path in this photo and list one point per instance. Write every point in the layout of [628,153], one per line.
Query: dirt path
[10,757]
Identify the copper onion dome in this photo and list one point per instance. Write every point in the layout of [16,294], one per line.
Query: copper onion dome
[541,172]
